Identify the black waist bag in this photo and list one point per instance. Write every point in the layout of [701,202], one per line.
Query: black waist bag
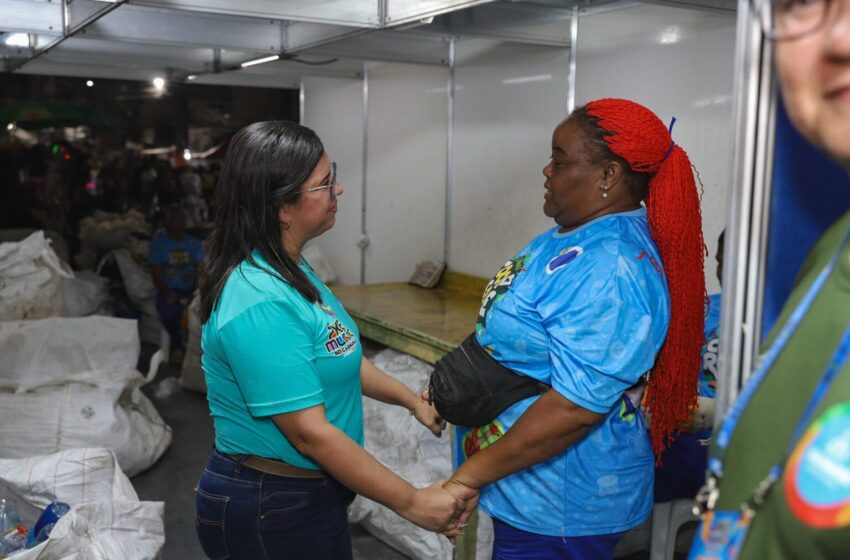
[469,388]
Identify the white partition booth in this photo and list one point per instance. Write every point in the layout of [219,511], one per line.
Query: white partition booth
[438,113]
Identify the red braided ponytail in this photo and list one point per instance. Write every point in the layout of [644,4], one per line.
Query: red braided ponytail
[637,135]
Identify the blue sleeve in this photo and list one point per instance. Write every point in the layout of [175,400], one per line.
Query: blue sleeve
[270,349]
[603,337]
[158,253]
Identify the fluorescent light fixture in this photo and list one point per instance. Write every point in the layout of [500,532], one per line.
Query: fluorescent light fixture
[18,40]
[259,61]
[187,154]
[89,83]
[159,83]
[528,79]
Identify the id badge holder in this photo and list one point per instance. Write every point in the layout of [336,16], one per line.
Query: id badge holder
[720,535]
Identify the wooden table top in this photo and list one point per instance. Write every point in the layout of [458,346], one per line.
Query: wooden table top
[424,322]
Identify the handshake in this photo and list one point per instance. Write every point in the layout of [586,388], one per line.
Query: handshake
[443,507]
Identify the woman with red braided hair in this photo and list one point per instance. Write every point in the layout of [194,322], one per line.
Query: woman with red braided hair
[611,295]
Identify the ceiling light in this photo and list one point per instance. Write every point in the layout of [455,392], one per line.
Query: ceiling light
[670,35]
[89,83]
[18,40]
[187,154]
[159,83]
[259,61]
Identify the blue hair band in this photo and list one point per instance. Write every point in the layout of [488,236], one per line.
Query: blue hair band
[672,143]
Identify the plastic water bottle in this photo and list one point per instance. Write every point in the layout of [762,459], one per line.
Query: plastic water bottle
[14,539]
[8,518]
[49,517]
[42,535]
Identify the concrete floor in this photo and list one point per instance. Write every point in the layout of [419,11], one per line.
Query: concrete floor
[173,478]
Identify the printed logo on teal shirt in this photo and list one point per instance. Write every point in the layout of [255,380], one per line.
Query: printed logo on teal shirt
[341,340]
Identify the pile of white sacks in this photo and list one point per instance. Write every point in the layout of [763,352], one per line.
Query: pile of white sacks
[73,418]
[106,522]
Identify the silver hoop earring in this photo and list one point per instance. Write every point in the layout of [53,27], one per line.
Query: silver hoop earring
[605,191]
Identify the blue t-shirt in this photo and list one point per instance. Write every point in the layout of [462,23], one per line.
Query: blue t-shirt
[586,312]
[179,260]
[268,351]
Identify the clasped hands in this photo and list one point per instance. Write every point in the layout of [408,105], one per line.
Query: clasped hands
[443,507]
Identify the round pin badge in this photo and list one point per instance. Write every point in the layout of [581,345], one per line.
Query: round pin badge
[817,480]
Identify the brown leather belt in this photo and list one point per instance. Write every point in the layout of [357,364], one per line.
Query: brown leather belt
[279,468]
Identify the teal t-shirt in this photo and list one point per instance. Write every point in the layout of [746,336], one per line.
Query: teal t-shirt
[269,351]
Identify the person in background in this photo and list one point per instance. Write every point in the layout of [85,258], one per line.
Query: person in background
[285,370]
[779,464]
[682,469]
[174,259]
[586,308]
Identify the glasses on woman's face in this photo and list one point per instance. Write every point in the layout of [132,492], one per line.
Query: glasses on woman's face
[788,20]
[331,186]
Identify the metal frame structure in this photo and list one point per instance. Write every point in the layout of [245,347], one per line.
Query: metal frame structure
[210,39]
[748,209]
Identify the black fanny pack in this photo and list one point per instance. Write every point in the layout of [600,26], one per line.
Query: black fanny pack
[469,388]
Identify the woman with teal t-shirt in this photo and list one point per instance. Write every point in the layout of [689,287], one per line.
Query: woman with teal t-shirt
[285,371]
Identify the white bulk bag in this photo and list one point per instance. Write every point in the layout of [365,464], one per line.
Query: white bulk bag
[107,521]
[411,451]
[30,279]
[141,291]
[85,294]
[58,350]
[106,230]
[87,394]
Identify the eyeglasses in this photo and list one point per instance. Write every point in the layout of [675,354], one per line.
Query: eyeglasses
[330,186]
[789,20]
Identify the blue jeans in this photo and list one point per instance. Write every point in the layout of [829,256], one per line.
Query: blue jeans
[242,513]
[511,543]
[171,314]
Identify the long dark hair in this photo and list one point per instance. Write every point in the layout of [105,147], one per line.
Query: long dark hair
[266,164]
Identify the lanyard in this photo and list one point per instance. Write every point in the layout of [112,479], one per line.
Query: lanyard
[715,464]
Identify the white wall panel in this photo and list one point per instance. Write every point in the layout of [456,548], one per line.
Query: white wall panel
[678,62]
[334,109]
[407,131]
[508,99]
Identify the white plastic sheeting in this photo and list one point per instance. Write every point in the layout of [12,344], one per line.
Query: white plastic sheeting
[106,522]
[69,383]
[407,448]
[30,279]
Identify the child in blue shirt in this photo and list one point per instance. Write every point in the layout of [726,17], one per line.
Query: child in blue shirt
[174,258]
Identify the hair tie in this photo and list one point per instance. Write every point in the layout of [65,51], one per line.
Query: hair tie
[672,143]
